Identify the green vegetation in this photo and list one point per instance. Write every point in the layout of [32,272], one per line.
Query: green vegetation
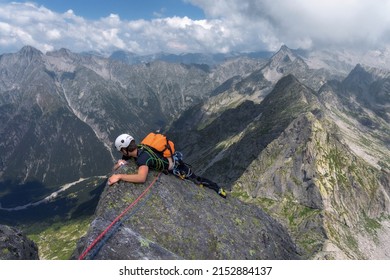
[371,225]
[58,241]
[294,216]
[57,225]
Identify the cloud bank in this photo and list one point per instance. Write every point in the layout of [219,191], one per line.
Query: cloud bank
[306,23]
[229,25]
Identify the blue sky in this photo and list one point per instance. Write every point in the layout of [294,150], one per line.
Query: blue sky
[188,26]
[126,9]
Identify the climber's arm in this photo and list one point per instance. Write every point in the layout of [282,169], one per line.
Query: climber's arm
[139,177]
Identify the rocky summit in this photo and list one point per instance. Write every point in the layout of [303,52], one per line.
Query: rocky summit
[180,220]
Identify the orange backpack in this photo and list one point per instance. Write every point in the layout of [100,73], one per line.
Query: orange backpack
[160,143]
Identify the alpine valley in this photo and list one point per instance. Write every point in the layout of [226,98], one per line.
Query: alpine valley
[299,139]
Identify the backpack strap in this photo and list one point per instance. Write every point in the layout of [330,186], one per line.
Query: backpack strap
[153,153]
[168,147]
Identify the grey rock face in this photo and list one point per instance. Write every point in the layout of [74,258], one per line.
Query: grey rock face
[183,221]
[14,245]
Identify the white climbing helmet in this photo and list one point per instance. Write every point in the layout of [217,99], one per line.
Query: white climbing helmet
[123,141]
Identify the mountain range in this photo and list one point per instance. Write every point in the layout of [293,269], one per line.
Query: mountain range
[302,136]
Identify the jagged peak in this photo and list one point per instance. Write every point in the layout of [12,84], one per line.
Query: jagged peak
[377,73]
[283,52]
[287,80]
[289,92]
[66,54]
[285,60]
[29,51]
[60,52]
[360,69]
[284,48]
[358,75]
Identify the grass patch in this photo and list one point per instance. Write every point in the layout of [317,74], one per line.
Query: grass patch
[371,225]
[58,241]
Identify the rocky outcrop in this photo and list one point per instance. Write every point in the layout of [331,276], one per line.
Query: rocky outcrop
[180,220]
[333,203]
[14,245]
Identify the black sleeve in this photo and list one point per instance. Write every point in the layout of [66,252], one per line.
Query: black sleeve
[125,157]
[143,159]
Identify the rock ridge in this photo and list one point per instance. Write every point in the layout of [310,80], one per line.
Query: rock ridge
[183,221]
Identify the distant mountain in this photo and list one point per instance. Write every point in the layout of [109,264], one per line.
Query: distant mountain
[317,161]
[360,107]
[186,58]
[257,84]
[44,142]
[343,61]
[61,111]
[371,88]
[234,139]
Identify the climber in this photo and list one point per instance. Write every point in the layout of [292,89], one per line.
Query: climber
[146,157]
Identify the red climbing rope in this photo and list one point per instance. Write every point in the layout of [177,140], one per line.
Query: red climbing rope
[84,254]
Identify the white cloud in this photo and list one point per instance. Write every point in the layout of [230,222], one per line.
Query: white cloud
[305,23]
[230,25]
[53,34]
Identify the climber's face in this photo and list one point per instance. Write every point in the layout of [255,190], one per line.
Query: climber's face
[124,152]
